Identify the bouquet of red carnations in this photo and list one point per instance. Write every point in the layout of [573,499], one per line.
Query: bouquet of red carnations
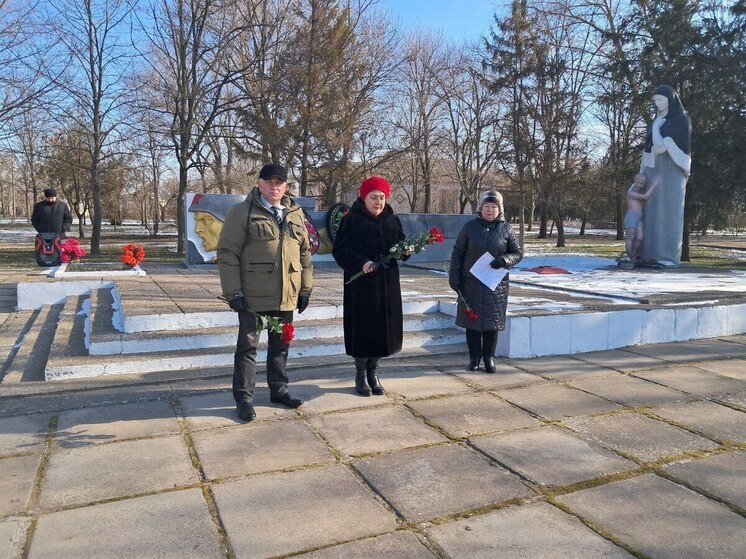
[132,254]
[71,251]
[412,245]
[274,324]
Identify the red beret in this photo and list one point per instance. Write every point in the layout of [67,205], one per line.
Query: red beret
[375,183]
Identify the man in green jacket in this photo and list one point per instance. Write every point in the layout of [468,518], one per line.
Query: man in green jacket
[264,259]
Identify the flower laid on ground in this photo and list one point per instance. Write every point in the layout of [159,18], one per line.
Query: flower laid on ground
[71,251]
[274,324]
[412,245]
[132,254]
[468,311]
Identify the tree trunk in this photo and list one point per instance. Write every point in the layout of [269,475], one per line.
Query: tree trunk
[583,223]
[560,231]
[180,201]
[97,217]
[619,214]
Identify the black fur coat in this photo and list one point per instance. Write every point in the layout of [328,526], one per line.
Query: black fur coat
[372,303]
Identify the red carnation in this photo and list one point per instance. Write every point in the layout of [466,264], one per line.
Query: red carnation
[288,332]
[437,236]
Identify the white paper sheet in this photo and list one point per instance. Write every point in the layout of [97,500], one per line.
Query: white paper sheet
[485,273]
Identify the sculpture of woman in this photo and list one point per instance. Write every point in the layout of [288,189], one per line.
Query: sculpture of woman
[667,160]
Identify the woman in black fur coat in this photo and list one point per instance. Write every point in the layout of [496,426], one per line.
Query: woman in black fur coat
[372,302]
[488,232]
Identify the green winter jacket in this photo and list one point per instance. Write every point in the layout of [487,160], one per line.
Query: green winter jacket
[270,265]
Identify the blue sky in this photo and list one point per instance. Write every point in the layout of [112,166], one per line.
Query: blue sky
[457,19]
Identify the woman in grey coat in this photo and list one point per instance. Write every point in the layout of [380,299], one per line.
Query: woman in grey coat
[481,310]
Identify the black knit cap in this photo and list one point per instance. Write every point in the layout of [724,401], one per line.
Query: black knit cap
[49,192]
[273,170]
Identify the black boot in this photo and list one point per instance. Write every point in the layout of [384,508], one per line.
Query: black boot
[372,370]
[489,346]
[360,369]
[474,343]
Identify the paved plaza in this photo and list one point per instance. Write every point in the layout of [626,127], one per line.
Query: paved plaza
[638,452]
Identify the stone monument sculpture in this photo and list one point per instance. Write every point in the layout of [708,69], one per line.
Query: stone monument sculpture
[666,161]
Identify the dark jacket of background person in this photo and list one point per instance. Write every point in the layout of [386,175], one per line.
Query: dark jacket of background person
[54,217]
[372,303]
[476,238]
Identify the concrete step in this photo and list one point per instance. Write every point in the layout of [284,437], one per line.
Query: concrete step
[13,330]
[72,362]
[8,297]
[33,348]
[105,340]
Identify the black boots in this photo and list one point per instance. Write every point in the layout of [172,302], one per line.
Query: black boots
[375,386]
[474,343]
[361,366]
[366,379]
[482,345]
[489,345]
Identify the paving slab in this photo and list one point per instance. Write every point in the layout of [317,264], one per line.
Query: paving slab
[554,401]
[93,473]
[12,537]
[560,367]
[537,530]
[624,360]
[722,475]
[398,545]
[289,512]
[506,377]
[414,383]
[466,415]
[735,368]
[662,519]
[175,525]
[374,430]
[551,456]
[637,435]
[427,483]
[323,395]
[16,482]
[737,400]
[117,422]
[627,390]
[693,380]
[259,447]
[693,351]
[720,422]
[217,409]
[24,433]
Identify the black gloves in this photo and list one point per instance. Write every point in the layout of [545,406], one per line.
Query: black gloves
[302,303]
[238,303]
[498,263]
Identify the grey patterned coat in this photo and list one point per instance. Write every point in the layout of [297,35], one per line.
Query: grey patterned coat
[476,238]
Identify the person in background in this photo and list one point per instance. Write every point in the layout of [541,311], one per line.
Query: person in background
[264,260]
[373,326]
[481,311]
[51,215]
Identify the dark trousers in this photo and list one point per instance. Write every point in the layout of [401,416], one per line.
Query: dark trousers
[244,362]
[481,344]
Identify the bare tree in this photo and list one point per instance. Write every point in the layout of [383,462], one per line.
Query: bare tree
[95,35]
[29,63]
[191,43]
[419,109]
[473,116]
